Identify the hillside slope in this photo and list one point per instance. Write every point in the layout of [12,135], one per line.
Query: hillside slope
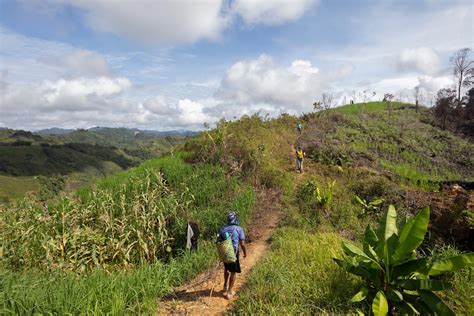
[354,154]
[81,155]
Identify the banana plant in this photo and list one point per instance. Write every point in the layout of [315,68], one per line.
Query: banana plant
[394,279]
[369,207]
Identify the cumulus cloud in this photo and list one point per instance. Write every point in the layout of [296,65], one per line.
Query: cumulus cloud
[180,21]
[155,21]
[261,81]
[80,63]
[191,113]
[158,105]
[422,59]
[66,95]
[434,84]
[272,12]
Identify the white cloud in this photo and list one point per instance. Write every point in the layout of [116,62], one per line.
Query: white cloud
[65,95]
[155,21]
[433,84]
[177,21]
[191,113]
[158,105]
[261,81]
[422,59]
[272,12]
[80,63]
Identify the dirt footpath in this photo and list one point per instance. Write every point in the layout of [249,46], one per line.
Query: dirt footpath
[197,300]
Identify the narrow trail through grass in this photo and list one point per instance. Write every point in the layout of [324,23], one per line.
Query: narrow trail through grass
[197,300]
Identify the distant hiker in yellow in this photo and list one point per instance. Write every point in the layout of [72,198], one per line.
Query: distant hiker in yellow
[236,234]
[300,154]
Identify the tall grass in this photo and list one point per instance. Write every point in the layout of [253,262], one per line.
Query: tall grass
[135,291]
[133,218]
[298,277]
[118,246]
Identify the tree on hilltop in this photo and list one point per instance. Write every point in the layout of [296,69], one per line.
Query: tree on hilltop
[445,106]
[463,69]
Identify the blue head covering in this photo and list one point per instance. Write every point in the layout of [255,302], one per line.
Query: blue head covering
[232,218]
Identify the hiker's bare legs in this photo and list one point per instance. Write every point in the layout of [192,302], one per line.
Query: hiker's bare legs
[226,279]
[231,282]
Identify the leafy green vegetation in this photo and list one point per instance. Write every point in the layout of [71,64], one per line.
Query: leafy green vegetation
[341,149]
[403,142]
[132,218]
[394,278]
[135,291]
[132,224]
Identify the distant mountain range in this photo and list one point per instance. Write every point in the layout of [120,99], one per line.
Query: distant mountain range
[113,130]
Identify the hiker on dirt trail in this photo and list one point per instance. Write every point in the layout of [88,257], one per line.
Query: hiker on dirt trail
[238,239]
[300,154]
[299,127]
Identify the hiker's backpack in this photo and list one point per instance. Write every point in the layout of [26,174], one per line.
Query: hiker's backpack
[225,248]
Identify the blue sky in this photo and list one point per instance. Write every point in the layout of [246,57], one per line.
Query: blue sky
[176,64]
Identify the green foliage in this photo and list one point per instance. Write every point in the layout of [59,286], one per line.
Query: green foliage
[12,188]
[298,277]
[394,278]
[50,187]
[129,292]
[129,219]
[315,196]
[369,207]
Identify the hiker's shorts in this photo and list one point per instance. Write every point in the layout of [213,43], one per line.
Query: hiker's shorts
[299,163]
[233,266]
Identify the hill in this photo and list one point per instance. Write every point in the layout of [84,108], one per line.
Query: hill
[81,155]
[360,159]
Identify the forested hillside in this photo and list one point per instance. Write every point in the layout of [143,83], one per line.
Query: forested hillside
[78,156]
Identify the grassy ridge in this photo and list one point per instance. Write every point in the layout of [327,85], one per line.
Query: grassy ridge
[402,141]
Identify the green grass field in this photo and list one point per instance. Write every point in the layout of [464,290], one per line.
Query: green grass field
[12,188]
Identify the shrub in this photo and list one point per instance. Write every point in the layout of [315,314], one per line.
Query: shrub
[369,206]
[394,278]
[315,197]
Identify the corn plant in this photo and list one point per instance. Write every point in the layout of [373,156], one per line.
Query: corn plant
[369,207]
[126,220]
[394,278]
